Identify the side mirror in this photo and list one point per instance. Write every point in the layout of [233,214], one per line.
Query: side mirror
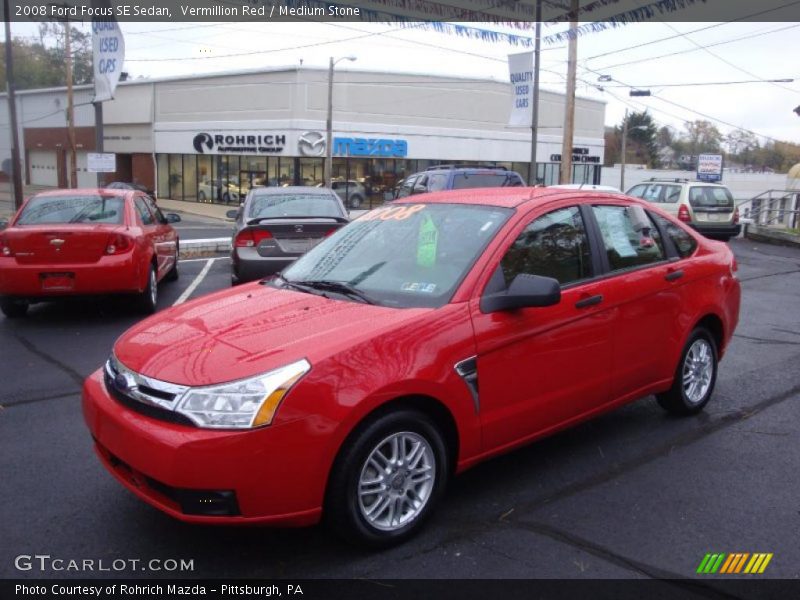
[232,214]
[173,218]
[524,292]
[3,224]
[419,189]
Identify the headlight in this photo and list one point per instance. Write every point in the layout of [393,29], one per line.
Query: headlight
[242,404]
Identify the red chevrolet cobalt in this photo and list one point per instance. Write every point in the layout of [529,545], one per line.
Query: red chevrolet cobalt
[415,342]
[89,241]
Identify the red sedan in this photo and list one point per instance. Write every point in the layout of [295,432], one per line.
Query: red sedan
[88,241]
[415,342]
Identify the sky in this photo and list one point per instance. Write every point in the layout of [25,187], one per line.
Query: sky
[633,56]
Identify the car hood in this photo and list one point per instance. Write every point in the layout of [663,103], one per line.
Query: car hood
[249,330]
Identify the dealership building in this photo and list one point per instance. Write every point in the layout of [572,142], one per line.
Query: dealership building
[209,138]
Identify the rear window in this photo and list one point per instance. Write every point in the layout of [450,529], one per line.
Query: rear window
[706,196]
[293,205]
[90,208]
[462,181]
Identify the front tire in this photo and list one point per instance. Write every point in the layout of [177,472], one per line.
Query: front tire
[173,275]
[387,479]
[355,202]
[13,309]
[695,376]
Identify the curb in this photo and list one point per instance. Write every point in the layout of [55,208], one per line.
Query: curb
[770,236]
[204,247]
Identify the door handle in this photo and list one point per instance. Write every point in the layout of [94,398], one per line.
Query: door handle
[590,301]
[674,275]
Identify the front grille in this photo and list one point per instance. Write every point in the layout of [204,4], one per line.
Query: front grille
[148,410]
[146,396]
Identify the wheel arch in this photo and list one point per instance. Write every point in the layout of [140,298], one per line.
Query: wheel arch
[432,407]
[713,323]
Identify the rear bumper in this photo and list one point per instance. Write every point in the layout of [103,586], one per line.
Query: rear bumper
[248,265]
[110,274]
[718,230]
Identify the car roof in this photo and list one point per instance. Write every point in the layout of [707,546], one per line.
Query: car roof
[87,192]
[508,197]
[291,189]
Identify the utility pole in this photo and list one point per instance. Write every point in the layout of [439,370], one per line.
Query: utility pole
[73,166]
[16,174]
[535,108]
[569,108]
[624,151]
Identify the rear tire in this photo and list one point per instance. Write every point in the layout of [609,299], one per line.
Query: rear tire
[356,201]
[12,308]
[387,479]
[173,272]
[695,376]
[148,299]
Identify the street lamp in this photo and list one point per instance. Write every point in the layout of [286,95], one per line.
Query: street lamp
[624,149]
[328,168]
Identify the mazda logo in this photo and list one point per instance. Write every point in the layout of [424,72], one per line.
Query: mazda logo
[311,143]
[203,140]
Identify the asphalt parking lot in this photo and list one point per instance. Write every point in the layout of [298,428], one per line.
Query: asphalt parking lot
[633,494]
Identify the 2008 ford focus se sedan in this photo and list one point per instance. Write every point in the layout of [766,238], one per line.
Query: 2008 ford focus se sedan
[413,343]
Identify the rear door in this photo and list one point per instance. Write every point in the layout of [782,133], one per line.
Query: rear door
[640,287]
[166,238]
[712,206]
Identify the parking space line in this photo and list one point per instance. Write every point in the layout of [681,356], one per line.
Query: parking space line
[188,260]
[197,280]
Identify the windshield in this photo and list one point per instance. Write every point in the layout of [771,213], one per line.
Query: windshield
[404,255]
[73,209]
[293,205]
[462,181]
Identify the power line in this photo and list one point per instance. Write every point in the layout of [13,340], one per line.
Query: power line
[705,83]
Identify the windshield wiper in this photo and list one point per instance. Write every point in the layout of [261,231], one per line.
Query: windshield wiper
[326,285]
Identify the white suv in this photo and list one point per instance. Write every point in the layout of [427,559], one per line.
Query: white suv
[707,207]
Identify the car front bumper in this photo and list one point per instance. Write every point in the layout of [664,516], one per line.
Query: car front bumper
[272,475]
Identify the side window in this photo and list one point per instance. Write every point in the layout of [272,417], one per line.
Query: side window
[160,218]
[144,213]
[437,183]
[684,242]
[407,188]
[672,193]
[637,191]
[553,245]
[420,185]
[628,244]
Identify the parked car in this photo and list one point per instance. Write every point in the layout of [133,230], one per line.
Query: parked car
[352,193]
[86,241]
[707,207]
[424,337]
[277,225]
[209,190]
[457,177]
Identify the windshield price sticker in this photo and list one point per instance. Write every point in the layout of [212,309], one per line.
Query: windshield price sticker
[393,213]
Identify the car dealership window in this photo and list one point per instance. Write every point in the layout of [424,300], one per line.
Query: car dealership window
[626,245]
[553,245]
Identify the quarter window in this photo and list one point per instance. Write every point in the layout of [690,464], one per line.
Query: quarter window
[626,245]
[553,245]
[685,244]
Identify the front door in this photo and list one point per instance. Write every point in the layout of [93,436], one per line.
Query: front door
[540,367]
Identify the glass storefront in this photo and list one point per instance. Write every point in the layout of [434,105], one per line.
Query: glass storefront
[370,181]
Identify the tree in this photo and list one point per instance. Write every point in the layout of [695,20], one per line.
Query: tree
[703,137]
[641,146]
[40,63]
